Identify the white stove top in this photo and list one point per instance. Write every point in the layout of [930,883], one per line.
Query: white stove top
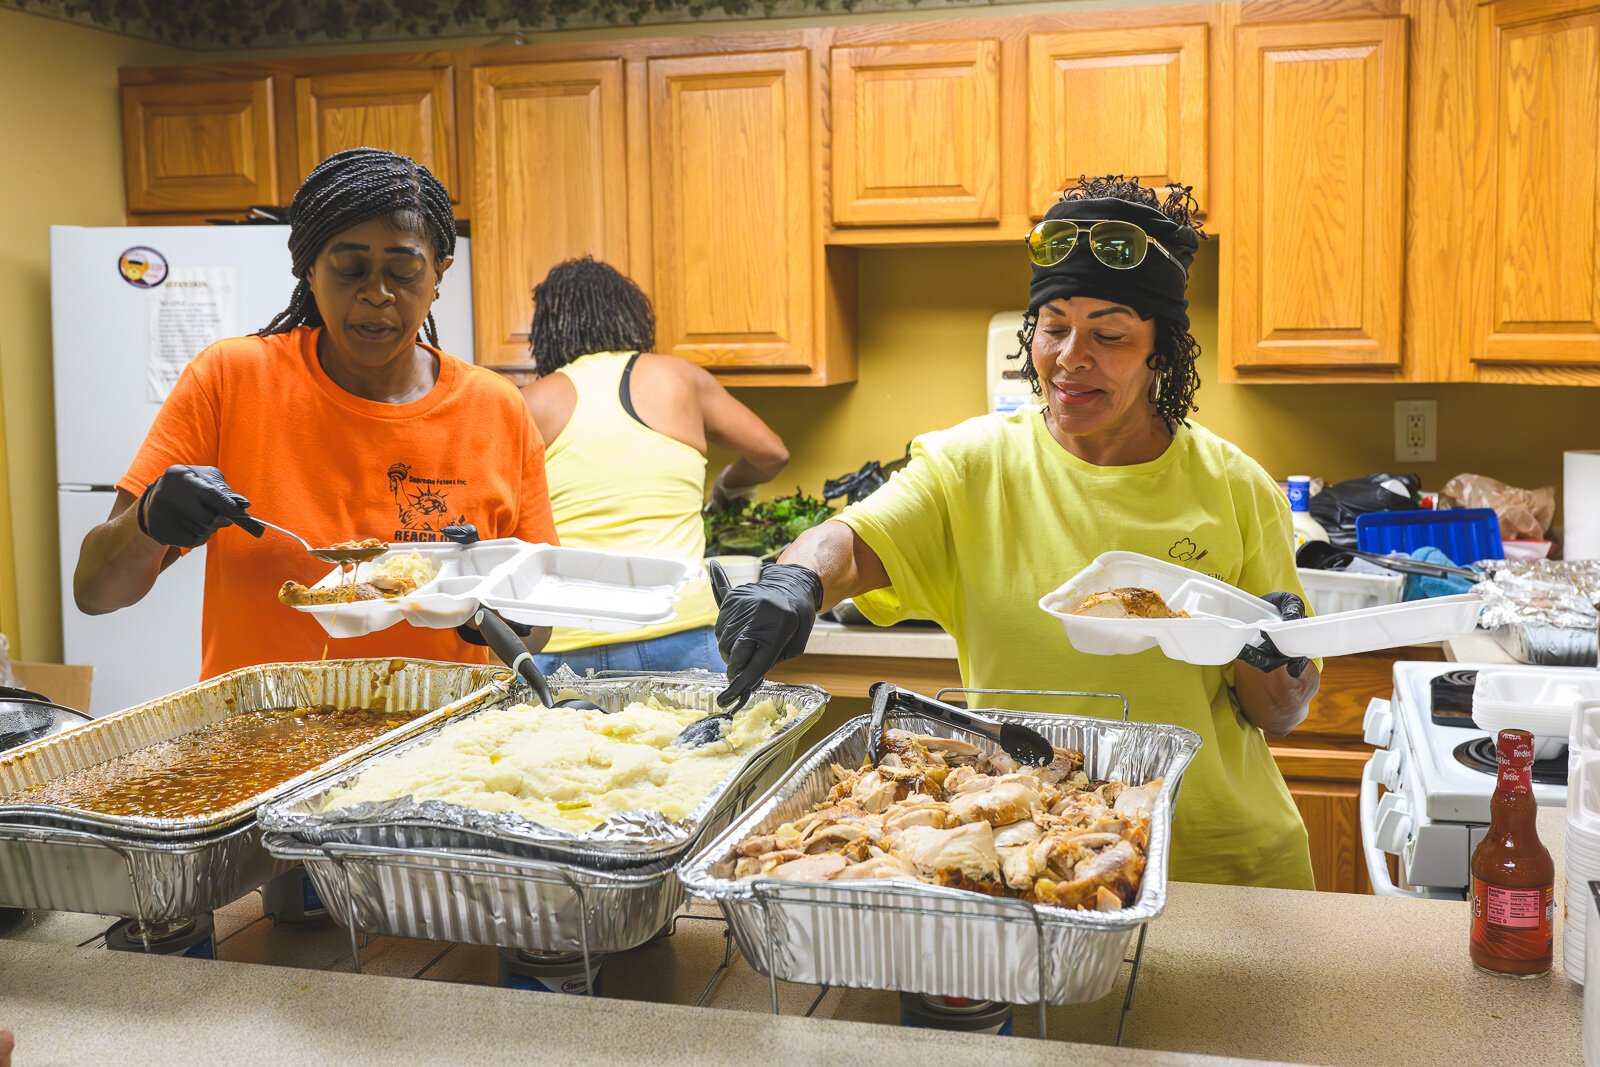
[1446,789]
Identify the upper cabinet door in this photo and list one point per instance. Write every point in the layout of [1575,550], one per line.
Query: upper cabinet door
[1317,249]
[1127,101]
[549,184]
[407,111]
[731,194]
[916,133]
[1539,288]
[199,146]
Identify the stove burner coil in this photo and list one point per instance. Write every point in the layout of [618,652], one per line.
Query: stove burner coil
[1479,755]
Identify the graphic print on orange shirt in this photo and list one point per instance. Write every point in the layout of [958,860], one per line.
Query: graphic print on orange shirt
[422,504]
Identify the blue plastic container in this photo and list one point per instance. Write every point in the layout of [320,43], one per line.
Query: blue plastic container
[1466,535]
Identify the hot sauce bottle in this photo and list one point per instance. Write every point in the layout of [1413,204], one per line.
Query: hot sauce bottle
[1513,878]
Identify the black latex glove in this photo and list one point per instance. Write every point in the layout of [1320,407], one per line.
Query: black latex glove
[763,623]
[1265,656]
[469,633]
[186,505]
[465,534]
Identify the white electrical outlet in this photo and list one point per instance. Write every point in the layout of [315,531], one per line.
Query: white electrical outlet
[1416,431]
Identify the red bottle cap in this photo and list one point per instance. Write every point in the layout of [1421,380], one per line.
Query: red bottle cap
[1514,747]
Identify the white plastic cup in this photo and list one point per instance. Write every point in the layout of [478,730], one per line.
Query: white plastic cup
[741,570]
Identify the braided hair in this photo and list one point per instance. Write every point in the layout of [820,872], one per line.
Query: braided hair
[1176,350]
[347,189]
[585,306]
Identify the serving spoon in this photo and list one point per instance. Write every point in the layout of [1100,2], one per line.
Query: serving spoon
[329,555]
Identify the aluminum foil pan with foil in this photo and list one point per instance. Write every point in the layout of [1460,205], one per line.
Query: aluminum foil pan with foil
[1543,612]
[932,939]
[444,690]
[628,839]
[475,898]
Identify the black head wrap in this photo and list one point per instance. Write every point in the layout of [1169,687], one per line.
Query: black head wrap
[1154,287]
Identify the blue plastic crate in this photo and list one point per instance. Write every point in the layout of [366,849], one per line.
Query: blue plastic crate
[1466,535]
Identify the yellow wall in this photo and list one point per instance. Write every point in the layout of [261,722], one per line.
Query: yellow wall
[61,131]
[924,316]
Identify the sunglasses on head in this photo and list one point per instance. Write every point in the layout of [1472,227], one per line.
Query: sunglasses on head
[1119,245]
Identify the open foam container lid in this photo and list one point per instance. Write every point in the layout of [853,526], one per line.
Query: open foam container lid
[1223,619]
[537,585]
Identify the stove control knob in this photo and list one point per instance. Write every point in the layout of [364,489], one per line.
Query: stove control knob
[1393,823]
[1386,768]
[1378,726]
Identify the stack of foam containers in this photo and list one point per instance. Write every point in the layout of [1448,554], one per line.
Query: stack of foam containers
[1583,833]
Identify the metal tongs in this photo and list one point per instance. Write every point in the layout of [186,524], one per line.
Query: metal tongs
[1026,746]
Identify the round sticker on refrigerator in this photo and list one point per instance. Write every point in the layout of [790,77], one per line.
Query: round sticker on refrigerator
[142,268]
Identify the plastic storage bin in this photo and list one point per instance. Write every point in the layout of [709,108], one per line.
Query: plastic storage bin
[1466,535]
[1330,592]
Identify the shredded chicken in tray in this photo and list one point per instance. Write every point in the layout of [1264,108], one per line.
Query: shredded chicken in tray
[939,810]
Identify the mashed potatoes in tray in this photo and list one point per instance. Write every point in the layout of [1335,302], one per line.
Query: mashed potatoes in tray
[567,768]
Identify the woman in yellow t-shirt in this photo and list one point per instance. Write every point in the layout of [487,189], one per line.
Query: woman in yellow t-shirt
[991,514]
[627,431]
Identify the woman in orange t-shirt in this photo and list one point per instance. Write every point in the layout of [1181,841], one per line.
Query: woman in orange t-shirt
[338,421]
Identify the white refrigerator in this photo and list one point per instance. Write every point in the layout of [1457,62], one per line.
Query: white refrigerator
[129,307]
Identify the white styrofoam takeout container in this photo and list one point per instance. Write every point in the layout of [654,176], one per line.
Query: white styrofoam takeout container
[1545,703]
[537,585]
[1223,619]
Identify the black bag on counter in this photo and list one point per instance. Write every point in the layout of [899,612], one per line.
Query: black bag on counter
[858,485]
[1337,506]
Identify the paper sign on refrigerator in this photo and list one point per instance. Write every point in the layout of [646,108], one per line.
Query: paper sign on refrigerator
[192,309]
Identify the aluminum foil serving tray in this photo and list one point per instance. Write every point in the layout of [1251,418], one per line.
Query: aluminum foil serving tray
[632,839]
[66,860]
[931,939]
[472,897]
[445,690]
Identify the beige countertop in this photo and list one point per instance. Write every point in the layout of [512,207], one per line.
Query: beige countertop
[1253,973]
[834,639]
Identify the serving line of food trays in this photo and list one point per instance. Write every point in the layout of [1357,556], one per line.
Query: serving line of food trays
[877,934]
[66,859]
[1221,619]
[537,585]
[439,871]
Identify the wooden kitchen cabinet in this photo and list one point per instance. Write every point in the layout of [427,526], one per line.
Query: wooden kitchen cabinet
[1127,101]
[916,133]
[1322,762]
[1312,277]
[200,145]
[1538,282]
[731,187]
[549,184]
[406,110]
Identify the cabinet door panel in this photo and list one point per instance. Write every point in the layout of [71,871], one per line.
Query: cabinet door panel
[406,111]
[916,133]
[731,191]
[1541,92]
[1318,247]
[1332,814]
[549,184]
[199,146]
[1128,101]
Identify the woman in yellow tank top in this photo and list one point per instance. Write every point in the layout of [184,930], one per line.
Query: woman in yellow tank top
[626,434]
